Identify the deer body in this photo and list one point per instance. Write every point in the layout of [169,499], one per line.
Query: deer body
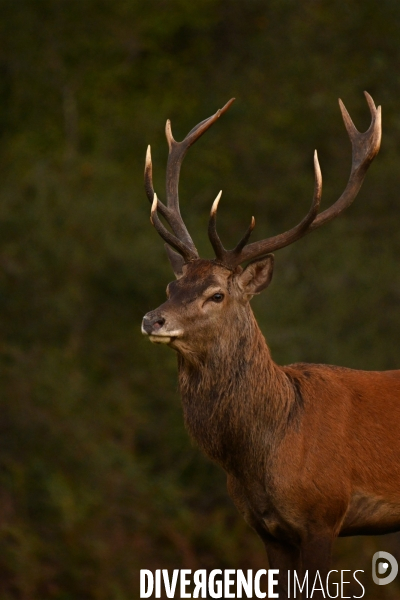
[311,452]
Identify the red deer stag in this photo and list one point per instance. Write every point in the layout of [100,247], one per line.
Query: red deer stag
[311,451]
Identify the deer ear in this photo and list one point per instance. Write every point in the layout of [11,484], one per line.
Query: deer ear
[257,276]
[177,261]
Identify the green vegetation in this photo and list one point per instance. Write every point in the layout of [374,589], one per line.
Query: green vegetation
[98,476]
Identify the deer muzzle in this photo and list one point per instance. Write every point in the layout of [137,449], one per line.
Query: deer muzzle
[154,325]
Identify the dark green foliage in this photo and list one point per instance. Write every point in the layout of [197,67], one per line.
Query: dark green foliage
[98,477]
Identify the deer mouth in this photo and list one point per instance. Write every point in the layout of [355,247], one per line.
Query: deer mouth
[154,328]
[166,338]
[159,337]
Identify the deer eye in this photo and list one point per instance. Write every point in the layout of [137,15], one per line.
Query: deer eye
[218,297]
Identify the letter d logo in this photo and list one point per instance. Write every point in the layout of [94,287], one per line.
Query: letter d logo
[386,560]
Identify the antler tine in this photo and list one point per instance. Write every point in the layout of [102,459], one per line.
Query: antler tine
[227,257]
[177,225]
[180,239]
[244,253]
[239,247]
[365,147]
[148,176]
[187,253]
[216,243]
[177,152]
[148,183]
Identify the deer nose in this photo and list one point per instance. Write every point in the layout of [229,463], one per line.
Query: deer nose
[152,323]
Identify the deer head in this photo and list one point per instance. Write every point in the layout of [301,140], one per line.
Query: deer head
[210,298]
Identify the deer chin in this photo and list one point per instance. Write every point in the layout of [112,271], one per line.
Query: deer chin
[164,338]
[160,339]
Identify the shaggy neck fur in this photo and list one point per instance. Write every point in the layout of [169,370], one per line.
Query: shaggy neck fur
[236,400]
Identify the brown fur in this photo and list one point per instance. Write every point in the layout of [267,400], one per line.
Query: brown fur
[311,451]
[308,449]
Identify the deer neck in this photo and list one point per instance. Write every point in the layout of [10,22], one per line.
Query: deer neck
[235,398]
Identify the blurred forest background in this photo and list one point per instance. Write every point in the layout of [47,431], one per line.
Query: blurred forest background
[98,476]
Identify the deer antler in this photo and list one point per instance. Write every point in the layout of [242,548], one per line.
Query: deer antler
[179,238]
[365,147]
[233,258]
